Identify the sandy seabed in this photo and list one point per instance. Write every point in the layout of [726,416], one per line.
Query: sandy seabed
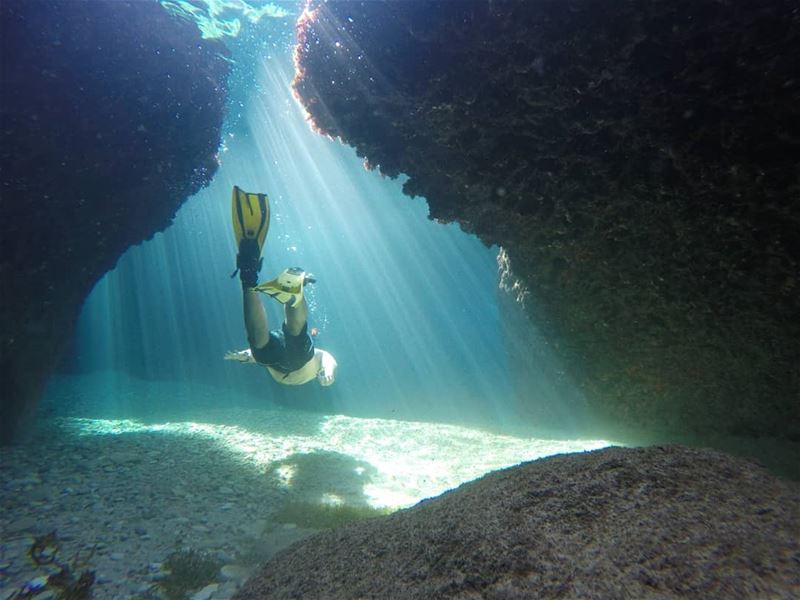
[124,503]
[122,494]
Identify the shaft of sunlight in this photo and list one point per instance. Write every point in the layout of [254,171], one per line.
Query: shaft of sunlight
[408,307]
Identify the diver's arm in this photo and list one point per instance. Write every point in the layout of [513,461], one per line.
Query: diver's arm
[328,365]
[242,356]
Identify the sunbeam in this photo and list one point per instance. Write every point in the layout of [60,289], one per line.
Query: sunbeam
[407,306]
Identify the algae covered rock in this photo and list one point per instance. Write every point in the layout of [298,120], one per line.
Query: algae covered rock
[638,162]
[663,522]
[111,114]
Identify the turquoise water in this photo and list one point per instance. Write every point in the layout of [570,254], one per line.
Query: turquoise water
[148,442]
[408,307]
[149,445]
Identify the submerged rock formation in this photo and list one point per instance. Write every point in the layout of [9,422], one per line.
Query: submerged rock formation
[111,114]
[638,162]
[665,522]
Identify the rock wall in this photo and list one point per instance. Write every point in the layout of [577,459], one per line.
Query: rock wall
[639,162]
[544,393]
[664,522]
[111,114]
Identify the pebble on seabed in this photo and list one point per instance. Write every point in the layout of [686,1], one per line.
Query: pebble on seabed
[119,505]
[206,593]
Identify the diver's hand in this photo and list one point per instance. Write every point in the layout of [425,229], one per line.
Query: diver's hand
[327,373]
[325,378]
[243,356]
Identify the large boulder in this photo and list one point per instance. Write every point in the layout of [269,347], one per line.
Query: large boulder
[111,114]
[665,522]
[639,162]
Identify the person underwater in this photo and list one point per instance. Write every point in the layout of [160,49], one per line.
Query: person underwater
[289,353]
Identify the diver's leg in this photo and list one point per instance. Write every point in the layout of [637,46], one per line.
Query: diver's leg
[248,262]
[296,317]
[255,320]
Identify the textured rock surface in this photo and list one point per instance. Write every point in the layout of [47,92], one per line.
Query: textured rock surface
[111,116]
[639,162]
[648,523]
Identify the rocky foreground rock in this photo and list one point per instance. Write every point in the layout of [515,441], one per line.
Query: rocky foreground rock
[662,522]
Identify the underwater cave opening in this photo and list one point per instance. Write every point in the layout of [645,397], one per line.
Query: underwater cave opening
[428,345]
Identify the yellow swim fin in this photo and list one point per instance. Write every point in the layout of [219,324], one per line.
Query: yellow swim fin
[250,216]
[287,288]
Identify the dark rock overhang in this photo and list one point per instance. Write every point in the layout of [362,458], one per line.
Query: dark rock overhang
[111,114]
[638,162]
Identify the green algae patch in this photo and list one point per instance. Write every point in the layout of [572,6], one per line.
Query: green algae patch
[189,570]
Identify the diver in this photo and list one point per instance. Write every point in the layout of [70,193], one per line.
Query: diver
[289,353]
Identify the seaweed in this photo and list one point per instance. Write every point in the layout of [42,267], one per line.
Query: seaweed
[188,570]
[72,581]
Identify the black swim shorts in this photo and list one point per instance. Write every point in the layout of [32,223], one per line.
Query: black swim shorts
[286,352]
